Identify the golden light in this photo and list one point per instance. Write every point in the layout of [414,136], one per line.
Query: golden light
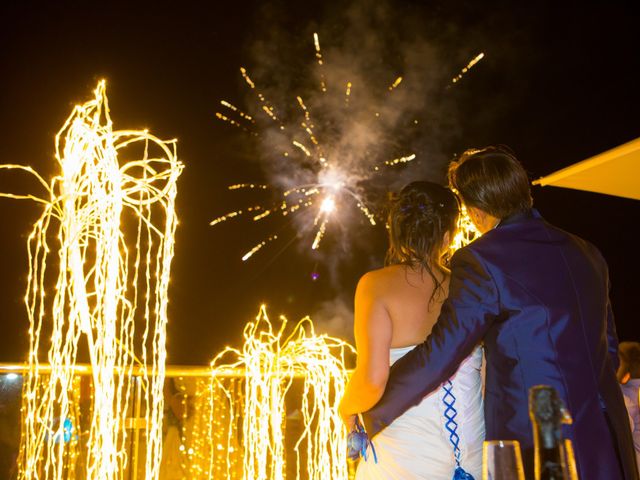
[469,66]
[99,262]
[395,83]
[316,42]
[329,177]
[328,205]
[270,360]
[466,232]
[248,255]
[399,160]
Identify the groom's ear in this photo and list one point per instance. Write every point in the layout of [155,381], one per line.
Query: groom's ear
[478,217]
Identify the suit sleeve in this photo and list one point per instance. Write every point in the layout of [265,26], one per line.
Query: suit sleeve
[612,336]
[467,314]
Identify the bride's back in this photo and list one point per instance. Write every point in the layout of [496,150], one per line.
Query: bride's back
[412,300]
[422,219]
[396,308]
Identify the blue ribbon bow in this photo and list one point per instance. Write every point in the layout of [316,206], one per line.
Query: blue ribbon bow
[357,443]
[460,474]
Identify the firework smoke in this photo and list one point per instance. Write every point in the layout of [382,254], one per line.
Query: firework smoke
[332,133]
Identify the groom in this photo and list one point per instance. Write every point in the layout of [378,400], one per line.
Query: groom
[538,298]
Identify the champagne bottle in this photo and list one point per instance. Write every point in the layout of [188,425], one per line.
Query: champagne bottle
[554,459]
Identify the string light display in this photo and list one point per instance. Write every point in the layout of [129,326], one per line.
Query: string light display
[270,361]
[466,232]
[99,261]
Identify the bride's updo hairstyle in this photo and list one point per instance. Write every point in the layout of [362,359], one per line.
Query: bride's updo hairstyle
[419,217]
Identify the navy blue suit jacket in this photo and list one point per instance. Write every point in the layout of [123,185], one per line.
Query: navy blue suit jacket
[538,297]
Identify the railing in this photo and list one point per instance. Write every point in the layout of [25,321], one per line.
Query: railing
[10,404]
[199,431]
[185,391]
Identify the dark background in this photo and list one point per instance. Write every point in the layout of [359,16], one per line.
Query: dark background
[559,84]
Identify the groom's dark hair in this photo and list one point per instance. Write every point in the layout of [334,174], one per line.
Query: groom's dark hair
[491,179]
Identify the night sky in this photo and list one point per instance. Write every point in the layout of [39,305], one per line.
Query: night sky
[560,83]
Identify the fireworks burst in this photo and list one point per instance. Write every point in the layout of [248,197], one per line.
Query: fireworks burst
[323,173]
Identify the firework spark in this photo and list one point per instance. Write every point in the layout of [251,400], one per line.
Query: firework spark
[333,183]
[395,83]
[316,42]
[469,66]
[322,180]
[250,253]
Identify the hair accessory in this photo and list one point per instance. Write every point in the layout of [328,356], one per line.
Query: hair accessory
[358,442]
[410,208]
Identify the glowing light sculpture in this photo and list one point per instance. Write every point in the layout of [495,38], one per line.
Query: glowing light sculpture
[466,231]
[269,361]
[101,293]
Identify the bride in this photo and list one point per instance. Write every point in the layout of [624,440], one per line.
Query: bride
[395,309]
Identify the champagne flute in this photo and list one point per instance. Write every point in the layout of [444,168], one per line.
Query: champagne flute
[502,460]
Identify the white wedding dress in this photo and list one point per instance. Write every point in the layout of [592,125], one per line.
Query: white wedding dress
[419,443]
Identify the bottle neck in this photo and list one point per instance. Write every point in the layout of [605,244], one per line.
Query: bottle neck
[551,459]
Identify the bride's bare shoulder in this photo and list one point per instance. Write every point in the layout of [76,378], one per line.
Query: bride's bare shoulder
[400,278]
[381,278]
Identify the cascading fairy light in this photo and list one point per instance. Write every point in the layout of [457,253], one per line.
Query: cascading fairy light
[105,296]
[270,361]
[466,232]
[227,398]
[199,415]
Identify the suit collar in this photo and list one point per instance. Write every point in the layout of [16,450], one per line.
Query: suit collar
[519,217]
